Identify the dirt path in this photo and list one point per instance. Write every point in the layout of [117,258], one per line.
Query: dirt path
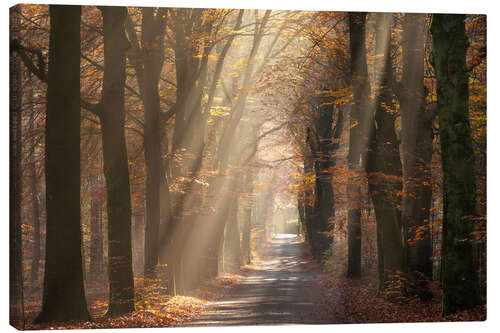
[282,290]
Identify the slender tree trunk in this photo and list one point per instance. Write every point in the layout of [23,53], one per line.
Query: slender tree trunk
[301,203]
[63,294]
[416,142]
[16,311]
[459,277]
[35,208]
[308,196]
[138,245]
[320,142]
[227,143]
[232,248]
[96,241]
[217,225]
[34,191]
[361,90]
[152,35]
[383,162]
[189,139]
[121,281]
[247,218]
[147,60]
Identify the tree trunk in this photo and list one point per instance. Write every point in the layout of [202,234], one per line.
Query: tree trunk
[416,142]
[63,294]
[35,209]
[96,238]
[320,140]
[153,32]
[189,140]
[247,218]
[138,245]
[232,244]
[16,309]
[361,90]
[147,60]
[121,280]
[308,195]
[226,142]
[33,176]
[459,276]
[383,162]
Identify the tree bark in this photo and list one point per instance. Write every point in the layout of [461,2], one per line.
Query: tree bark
[459,277]
[416,142]
[153,27]
[35,209]
[247,218]
[147,60]
[322,144]
[121,280]
[232,244]
[308,195]
[361,90]
[96,241]
[63,294]
[383,162]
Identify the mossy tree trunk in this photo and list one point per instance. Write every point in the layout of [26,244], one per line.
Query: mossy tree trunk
[63,294]
[458,276]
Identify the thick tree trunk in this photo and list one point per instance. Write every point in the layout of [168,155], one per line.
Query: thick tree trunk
[361,90]
[16,311]
[459,276]
[121,280]
[63,294]
[416,141]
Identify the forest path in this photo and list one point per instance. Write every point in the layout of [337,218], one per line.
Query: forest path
[282,289]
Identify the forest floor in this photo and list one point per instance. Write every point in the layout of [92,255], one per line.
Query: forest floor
[282,286]
[361,304]
[152,308]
